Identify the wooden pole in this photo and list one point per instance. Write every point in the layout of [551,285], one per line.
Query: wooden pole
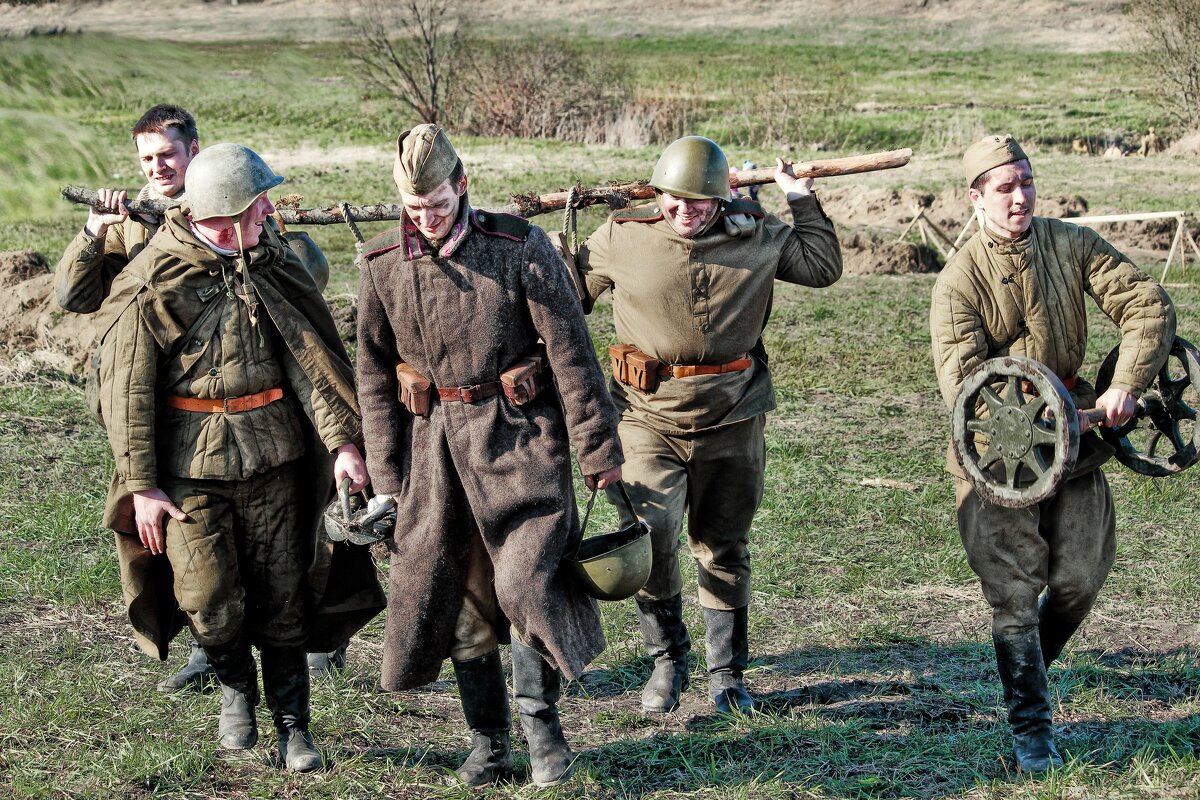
[1171,253]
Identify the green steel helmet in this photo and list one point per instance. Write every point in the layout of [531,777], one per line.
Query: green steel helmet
[224,179]
[314,260]
[616,565]
[694,168]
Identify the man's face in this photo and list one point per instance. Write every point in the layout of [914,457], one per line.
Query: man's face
[434,213]
[164,158]
[220,230]
[687,217]
[1007,198]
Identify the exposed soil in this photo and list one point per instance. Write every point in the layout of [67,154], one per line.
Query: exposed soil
[30,319]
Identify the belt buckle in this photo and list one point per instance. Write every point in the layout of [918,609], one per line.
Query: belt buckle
[225,405]
[467,393]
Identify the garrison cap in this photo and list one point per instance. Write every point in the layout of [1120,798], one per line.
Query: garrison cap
[991,152]
[424,159]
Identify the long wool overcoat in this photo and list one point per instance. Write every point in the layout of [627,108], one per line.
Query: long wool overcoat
[460,315]
[163,291]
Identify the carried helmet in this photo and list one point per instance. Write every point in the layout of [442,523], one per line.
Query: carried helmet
[694,168]
[351,518]
[224,179]
[616,565]
[314,260]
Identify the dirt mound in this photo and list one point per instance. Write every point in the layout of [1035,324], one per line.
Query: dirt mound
[864,254]
[1186,145]
[31,320]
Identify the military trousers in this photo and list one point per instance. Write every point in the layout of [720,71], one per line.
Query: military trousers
[240,563]
[1065,543]
[715,478]
[475,629]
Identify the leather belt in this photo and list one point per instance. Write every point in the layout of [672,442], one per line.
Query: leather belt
[690,370]
[1070,382]
[468,394]
[226,405]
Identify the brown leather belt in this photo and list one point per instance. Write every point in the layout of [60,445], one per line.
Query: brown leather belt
[468,394]
[1070,382]
[227,405]
[691,370]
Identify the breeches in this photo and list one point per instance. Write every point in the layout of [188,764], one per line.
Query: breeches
[1066,543]
[475,630]
[716,478]
[242,559]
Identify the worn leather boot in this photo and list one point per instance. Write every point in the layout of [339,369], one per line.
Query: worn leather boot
[1056,624]
[727,648]
[667,642]
[484,696]
[537,688]
[196,673]
[234,666]
[322,664]
[285,680]
[1027,695]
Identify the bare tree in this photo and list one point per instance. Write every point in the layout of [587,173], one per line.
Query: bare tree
[410,49]
[1167,33]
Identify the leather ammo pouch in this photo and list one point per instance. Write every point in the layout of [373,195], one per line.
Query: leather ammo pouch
[416,392]
[525,379]
[632,367]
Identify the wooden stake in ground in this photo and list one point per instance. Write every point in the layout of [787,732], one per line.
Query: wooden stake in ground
[530,205]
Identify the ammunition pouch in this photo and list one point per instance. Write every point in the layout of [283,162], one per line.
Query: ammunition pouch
[416,392]
[525,379]
[632,367]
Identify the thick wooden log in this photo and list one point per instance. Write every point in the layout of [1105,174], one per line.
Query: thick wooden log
[530,205]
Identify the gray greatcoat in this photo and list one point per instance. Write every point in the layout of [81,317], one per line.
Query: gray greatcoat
[460,315]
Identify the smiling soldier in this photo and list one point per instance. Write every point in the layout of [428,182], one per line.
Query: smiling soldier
[1018,288]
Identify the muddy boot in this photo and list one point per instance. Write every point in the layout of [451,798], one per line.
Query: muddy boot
[484,696]
[234,665]
[195,673]
[728,652]
[322,664]
[285,681]
[667,642]
[1027,695]
[536,685]
[1056,625]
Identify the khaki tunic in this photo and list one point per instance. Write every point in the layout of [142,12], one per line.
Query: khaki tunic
[999,297]
[155,303]
[696,444]
[461,313]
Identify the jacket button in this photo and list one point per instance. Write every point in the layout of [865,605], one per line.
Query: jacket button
[213,372]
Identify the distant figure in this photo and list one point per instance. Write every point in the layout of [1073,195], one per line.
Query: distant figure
[1114,149]
[1151,144]
[1081,147]
[743,191]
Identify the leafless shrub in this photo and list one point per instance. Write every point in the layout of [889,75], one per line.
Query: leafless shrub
[1167,33]
[411,49]
[786,111]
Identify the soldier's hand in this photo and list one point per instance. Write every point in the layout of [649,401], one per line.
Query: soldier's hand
[1119,407]
[786,179]
[602,479]
[349,464]
[148,509]
[113,200]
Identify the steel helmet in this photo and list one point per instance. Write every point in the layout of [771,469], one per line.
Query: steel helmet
[694,168]
[616,565]
[314,260]
[224,179]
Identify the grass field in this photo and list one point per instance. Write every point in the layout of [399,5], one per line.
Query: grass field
[870,640]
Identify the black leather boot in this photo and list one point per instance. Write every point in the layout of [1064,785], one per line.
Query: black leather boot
[484,696]
[196,673]
[1056,624]
[233,664]
[322,664]
[1027,695]
[285,680]
[536,685]
[667,642]
[728,651]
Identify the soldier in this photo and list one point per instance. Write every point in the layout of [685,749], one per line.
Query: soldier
[468,436]
[1151,145]
[167,140]
[692,280]
[225,392]
[1017,287]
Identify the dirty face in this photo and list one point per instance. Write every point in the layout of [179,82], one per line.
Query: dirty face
[221,230]
[1006,198]
[687,217]
[164,158]
[434,213]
